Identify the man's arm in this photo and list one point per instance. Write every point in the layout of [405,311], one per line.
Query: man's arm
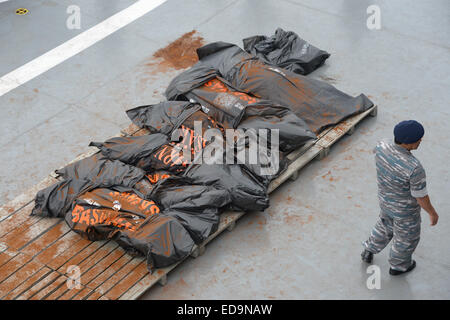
[419,191]
[425,203]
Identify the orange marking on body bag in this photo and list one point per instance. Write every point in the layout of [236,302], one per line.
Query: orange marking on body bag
[167,159]
[95,219]
[103,217]
[154,178]
[84,218]
[121,223]
[190,133]
[81,216]
[131,199]
[160,153]
[149,207]
[76,213]
[176,160]
[245,97]
[217,85]
[186,133]
[194,139]
[134,200]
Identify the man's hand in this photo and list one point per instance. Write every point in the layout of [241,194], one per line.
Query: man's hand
[434,219]
[425,203]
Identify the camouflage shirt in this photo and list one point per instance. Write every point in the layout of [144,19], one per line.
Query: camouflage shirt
[401,179]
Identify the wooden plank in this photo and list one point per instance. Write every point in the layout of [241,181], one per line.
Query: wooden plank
[95,296]
[89,267]
[300,151]
[60,280]
[63,292]
[72,252]
[338,131]
[60,291]
[119,275]
[47,239]
[7,255]
[86,258]
[130,130]
[69,240]
[133,130]
[226,219]
[38,286]
[28,232]
[13,265]
[3,247]
[141,132]
[295,166]
[88,263]
[70,293]
[18,219]
[27,284]
[82,256]
[18,277]
[147,281]
[83,294]
[127,282]
[109,272]
[102,265]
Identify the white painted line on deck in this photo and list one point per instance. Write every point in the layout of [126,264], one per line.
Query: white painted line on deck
[75,45]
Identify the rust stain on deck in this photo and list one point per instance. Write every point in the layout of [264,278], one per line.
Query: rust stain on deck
[179,54]
[296,219]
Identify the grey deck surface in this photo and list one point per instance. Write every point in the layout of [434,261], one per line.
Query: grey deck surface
[307,244]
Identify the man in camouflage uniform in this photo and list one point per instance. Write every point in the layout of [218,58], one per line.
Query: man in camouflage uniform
[402,193]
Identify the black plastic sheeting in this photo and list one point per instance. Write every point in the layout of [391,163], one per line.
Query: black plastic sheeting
[135,151]
[163,117]
[316,102]
[285,49]
[136,224]
[167,116]
[196,206]
[158,203]
[83,176]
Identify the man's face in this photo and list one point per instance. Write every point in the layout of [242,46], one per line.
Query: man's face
[415,145]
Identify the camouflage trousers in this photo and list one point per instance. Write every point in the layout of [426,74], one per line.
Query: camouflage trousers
[405,233]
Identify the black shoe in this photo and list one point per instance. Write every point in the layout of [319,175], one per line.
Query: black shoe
[367,256]
[394,272]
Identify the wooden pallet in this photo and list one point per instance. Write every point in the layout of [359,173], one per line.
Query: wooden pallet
[38,255]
